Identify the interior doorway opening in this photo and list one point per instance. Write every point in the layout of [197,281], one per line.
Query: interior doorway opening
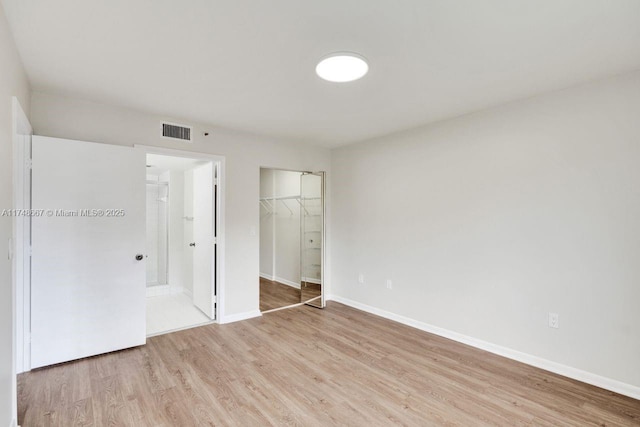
[292,233]
[181,223]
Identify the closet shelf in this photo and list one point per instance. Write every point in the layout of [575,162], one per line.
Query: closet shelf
[269,203]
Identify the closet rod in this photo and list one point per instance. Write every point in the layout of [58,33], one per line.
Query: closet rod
[280,198]
[289,198]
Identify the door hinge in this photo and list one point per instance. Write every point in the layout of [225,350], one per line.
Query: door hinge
[215,299]
[215,240]
[215,181]
[28,163]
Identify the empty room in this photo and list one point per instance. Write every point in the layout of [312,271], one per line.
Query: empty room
[252,213]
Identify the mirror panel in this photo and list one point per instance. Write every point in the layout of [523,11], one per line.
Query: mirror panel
[292,232]
[312,238]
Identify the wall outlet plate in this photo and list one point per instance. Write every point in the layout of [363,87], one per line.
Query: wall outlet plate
[361,278]
[389,284]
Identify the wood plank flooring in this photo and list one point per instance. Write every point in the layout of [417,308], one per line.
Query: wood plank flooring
[310,367]
[276,295]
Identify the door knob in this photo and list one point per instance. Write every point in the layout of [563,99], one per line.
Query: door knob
[192,244]
[139,257]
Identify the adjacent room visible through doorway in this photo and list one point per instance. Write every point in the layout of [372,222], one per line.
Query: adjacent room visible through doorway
[181,211]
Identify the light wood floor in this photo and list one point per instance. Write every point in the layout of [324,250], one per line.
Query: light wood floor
[276,295]
[310,367]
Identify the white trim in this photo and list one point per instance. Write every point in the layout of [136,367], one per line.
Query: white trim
[538,362]
[219,162]
[281,280]
[287,282]
[274,236]
[284,308]
[267,276]
[14,423]
[240,316]
[20,253]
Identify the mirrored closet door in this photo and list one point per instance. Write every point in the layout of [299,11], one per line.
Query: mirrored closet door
[311,238]
[291,238]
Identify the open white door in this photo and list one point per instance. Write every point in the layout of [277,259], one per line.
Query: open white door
[204,238]
[88,287]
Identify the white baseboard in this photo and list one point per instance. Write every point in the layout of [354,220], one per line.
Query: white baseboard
[187,292]
[280,280]
[312,280]
[240,316]
[267,276]
[287,282]
[547,365]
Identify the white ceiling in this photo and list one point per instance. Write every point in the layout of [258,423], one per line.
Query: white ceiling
[249,64]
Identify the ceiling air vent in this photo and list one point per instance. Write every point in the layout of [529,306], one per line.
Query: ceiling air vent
[171,130]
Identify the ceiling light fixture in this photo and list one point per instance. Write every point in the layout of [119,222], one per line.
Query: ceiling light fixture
[342,67]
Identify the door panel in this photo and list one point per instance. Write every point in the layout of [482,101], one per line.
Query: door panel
[312,238]
[203,233]
[88,289]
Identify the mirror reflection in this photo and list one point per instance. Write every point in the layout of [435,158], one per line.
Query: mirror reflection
[291,238]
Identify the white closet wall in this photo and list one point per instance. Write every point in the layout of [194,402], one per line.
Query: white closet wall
[280,226]
[287,229]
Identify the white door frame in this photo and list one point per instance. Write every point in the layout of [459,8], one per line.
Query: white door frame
[20,249]
[219,162]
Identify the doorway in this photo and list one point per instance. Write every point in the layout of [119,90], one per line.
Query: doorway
[181,218]
[91,198]
[291,239]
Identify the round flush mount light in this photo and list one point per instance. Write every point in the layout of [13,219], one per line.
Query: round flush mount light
[342,67]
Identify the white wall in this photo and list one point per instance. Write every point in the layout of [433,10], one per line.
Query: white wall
[177,225]
[488,222]
[151,242]
[245,153]
[13,82]
[267,183]
[187,254]
[287,229]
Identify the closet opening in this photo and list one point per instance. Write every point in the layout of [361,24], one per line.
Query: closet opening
[181,229]
[292,230]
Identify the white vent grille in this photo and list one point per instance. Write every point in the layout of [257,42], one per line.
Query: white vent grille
[171,130]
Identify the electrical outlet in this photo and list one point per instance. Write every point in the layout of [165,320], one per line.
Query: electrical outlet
[389,284]
[361,278]
[554,320]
